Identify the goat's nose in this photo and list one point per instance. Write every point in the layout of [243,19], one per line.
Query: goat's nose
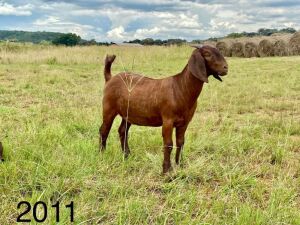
[226,67]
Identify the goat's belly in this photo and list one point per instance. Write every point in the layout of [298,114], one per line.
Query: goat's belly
[142,114]
[144,121]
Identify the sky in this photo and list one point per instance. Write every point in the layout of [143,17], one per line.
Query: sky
[123,20]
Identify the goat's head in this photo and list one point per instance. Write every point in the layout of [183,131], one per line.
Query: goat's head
[205,61]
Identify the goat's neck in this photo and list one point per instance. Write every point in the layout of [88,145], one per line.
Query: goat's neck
[189,87]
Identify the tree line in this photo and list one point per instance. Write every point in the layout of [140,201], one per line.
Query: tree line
[28,36]
[70,39]
[262,32]
[73,39]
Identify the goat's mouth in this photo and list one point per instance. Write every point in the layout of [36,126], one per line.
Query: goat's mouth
[217,77]
[218,74]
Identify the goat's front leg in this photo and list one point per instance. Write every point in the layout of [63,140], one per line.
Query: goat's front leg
[167,130]
[180,131]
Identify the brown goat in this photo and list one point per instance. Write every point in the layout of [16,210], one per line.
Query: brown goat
[169,102]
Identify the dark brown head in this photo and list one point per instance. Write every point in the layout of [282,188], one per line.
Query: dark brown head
[205,61]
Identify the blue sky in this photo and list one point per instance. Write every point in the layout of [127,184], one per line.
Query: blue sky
[122,20]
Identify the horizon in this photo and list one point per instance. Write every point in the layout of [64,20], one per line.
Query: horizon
[128,41]
[119,21]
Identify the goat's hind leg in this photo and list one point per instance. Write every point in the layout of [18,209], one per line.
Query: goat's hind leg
[123,133]
[108,119]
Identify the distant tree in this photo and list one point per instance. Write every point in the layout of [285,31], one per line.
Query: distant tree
[175,41]
[235,35]
[197,41]
[105,43]
[147,41]
[27,36]
[67,39]
[266,32]
[288,30]
[249,34]
[158,42]
[151,41]
[262,32]
[90,42]
[213,39]
[135,41]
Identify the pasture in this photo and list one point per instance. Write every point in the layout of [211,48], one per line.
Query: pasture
[241,161]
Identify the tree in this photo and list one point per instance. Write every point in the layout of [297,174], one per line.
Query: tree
[67,39]
[175,41]
[288,30]
[266,32]
[135,41]
[148,41]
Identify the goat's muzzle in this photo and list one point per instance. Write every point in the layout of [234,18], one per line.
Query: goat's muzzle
[217,75]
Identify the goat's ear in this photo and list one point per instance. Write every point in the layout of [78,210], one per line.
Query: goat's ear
[196,66]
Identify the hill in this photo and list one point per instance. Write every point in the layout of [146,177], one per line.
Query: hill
[28,36]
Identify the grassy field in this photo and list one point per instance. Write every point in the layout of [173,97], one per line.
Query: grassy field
[241,162]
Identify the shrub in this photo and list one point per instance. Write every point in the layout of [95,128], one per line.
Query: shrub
[67,39]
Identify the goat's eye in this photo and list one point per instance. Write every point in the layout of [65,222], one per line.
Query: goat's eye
[207,54]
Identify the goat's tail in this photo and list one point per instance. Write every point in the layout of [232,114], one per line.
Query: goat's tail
[107,67]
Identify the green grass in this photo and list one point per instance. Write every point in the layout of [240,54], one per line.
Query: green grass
[241,162]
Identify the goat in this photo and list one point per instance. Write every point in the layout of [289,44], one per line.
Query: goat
[169,102]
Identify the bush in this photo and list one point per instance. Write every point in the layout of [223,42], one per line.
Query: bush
[67,39]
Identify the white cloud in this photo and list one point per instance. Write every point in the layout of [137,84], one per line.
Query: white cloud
[48,21]
[8,9]
[217,25]
[57,24]
[290,24]
[116,34]
[181,20]
[144,33]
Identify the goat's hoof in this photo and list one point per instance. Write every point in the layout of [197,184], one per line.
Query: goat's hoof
[126,155]
[167,170]
[180,164]
[101,149]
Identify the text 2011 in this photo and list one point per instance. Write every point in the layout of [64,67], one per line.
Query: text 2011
[41,217]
